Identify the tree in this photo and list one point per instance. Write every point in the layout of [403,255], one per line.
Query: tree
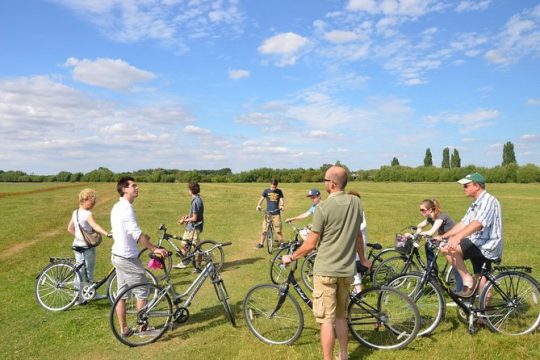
[395,161]
[455,161]
[428,159]
[445,158]
[509,156]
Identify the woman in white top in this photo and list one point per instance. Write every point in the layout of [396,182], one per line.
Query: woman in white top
[87,200]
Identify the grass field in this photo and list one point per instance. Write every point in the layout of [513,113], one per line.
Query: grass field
[33,228]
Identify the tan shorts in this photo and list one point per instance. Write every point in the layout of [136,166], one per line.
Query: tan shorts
[193,235]
[276,220]
[330,298]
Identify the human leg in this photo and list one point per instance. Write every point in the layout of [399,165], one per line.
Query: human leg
[90,263]
[324,309]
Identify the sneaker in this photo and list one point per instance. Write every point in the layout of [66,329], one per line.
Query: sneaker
[282,245]
[80,302]
[180,265]
[259,246]
[127,332]
[100,296]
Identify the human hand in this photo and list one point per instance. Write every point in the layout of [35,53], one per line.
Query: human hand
[366,263]
[109,234]
[288,220]
[286,260]
[453,243]
[258,208]
[161,252]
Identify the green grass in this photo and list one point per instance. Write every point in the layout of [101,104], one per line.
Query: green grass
[33,228]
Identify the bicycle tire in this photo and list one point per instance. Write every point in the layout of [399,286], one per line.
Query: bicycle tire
[383,318]
[159,274]
[218,255]
[278,272]
[282,328]
[390,268]
[270,239]
[428,297]
[58,286]
[112,285]
[158,310]
[223,296]
[511,307]
[306,270]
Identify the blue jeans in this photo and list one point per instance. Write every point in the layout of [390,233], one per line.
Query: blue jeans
[89,257]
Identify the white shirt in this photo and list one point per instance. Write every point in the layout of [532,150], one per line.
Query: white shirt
[83,215]
[126,231]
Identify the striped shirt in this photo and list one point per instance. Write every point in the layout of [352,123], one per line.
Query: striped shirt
[486,209]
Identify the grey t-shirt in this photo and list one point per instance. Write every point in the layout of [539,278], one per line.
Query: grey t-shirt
[197,206]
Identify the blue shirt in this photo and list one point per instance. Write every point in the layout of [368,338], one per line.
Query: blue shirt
[197,206]
[272,200]
[486,209]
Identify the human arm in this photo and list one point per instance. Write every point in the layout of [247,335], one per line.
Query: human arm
[307,247]
[461,231]
[436,225]
[361,252]
[282,203]
[90,220]
[71,227]
[259,204]
[299,217]
[420,226]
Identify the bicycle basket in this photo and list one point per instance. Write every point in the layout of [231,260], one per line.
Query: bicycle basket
[404,244]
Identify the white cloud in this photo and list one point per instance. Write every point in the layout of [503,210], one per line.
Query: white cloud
[530,137]
[465,6]
[195,130]
[533,102]
[239,74]
[108,73]
[410,8]
[286,46]
[339,36]
[467,121]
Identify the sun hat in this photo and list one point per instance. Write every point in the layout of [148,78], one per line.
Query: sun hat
[474,177]
[313,192]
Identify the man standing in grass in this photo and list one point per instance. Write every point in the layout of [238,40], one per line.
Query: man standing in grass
[125,255]
[194,220]
[336,229]
[275,203]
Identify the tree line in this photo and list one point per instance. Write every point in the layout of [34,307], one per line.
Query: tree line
[508,172]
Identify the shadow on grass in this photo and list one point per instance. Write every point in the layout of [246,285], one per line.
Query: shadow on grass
[231,265]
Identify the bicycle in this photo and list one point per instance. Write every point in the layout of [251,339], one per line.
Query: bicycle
[269,232]
[407,259]
[379,317]
[159,306]
[507,304]
[277,269]
[186,254]
[376,255]
[60,284]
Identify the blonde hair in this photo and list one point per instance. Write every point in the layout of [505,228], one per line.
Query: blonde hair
[433,205]
[87,194]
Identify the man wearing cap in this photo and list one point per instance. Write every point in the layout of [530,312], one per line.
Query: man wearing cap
[315,196]
[478,236]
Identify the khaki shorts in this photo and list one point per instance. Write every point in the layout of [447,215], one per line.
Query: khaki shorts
[330,298]
[193,235]
[276,220]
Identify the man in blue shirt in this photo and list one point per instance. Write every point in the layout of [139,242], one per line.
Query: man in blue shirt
[315,196]
[274,205]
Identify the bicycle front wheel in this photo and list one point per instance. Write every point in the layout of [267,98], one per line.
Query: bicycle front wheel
[427,296]
[159,274]
[217,255]
[391,267]
[57,287]
[383,318]
[278,272]
[146,320]
[275,327]
[306,271]
[112,284]
[270,239]
[511,304]
[223,296]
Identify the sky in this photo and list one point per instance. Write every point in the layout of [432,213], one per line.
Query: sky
[243,84]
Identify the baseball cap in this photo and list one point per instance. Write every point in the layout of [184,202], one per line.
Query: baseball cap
[474,177]
[313,192]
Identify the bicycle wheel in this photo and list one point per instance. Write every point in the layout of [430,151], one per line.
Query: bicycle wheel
[383,318]
[278,272]
[112,284]
[306,271]
[270,239]
[159,274]
[391,267]
[147,323]
[281,327]
[57,287]
[384,254]
[511,304]
[223,296]
[428,297]
[217,255]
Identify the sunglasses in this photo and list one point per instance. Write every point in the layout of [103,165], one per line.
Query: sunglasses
[423,210]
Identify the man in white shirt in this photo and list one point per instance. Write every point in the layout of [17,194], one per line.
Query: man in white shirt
[126,235]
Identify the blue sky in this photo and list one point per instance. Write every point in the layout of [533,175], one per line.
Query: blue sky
[207,84]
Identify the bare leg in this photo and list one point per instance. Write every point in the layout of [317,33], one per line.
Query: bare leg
[121,314]
[342,332]
[328,338]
